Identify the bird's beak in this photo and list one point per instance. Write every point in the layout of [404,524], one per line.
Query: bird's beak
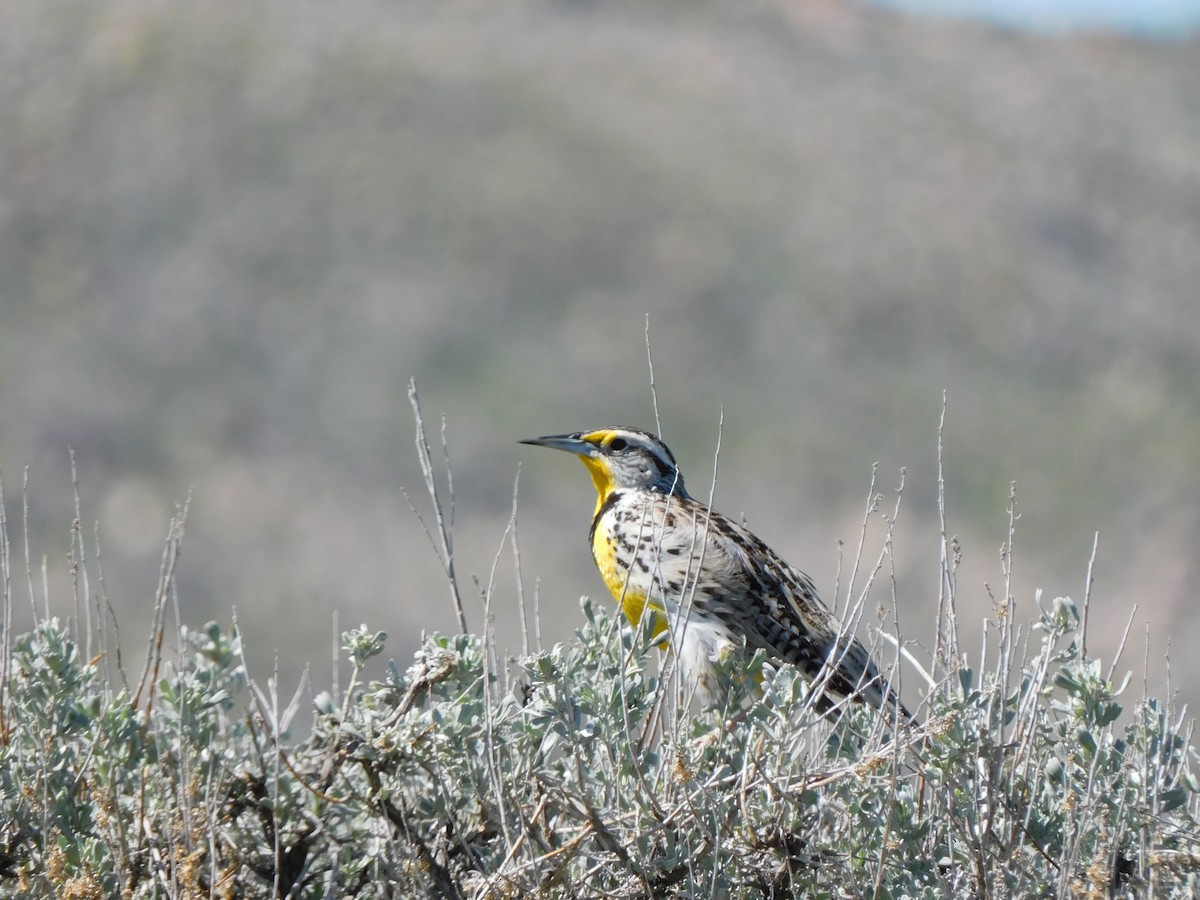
[572,443]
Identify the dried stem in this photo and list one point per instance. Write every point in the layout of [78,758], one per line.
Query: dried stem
[443,544]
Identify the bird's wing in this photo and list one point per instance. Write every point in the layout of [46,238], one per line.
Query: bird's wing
[777,608]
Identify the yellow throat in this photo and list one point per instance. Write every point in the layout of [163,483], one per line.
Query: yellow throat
[601,478]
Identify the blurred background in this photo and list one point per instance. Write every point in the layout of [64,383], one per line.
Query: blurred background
[230,234]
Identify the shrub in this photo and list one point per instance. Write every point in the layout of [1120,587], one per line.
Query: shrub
[580,780]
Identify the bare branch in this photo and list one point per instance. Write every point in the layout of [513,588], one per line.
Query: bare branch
[653,389]
[1087,596]
[445,535]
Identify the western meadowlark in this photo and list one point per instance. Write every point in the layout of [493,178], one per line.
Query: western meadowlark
[709,582]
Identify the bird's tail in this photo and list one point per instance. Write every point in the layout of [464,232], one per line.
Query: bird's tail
[856,676]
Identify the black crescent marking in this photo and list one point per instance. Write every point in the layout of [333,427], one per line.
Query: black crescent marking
[609,502]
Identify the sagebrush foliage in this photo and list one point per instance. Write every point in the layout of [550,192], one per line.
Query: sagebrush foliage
[573,773]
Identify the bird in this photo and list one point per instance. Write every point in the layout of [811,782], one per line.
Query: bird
[712,585]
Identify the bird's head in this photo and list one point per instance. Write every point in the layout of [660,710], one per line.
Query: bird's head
[620,459]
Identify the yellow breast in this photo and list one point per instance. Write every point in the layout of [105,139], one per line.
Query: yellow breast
[633,600]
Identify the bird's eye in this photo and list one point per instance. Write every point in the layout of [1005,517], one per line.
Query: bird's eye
[617,444]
